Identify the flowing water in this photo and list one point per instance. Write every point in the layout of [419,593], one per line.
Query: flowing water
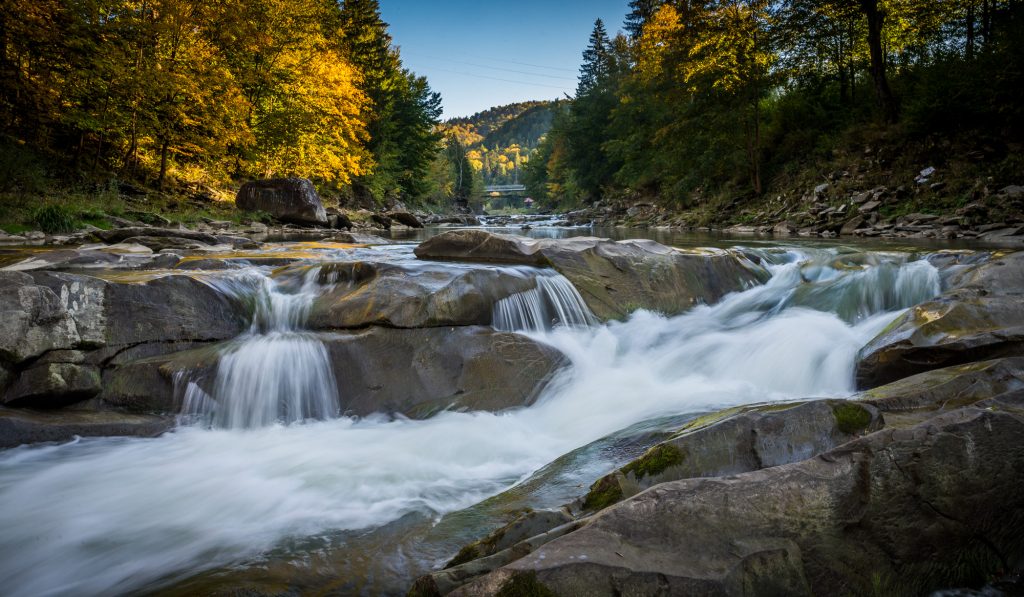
[239,486]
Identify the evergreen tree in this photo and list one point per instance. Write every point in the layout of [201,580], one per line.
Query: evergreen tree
[640,13]
[597,60]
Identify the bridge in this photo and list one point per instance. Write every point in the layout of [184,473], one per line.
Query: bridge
[505,189]
[502,196]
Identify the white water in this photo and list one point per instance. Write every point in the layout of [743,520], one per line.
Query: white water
[555,302]
[275,373]
[113,515]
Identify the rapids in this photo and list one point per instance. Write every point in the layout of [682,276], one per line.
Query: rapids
[102,516]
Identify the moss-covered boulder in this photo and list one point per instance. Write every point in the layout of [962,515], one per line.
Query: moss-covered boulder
[904,512]
[735,441]
[614,278]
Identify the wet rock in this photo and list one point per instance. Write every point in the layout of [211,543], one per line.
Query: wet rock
[18,427]
[405,218]
[381,220]
[735,441]
[614,278]
[947,389]
[356,238]
[292,200]
[412,296]
[415,373]
[784,228]
[979,318]
[52,385]
[159,243]
[895,512]
[120,235]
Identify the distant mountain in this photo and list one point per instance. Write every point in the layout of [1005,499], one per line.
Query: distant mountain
[501,139]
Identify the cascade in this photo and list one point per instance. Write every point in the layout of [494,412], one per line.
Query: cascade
[554,302]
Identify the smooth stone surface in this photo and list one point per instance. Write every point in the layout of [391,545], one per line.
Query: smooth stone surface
[979,318]
[614,278]
[897,512]
[412,295]
[52,385]
[18,427]
[292,200]
[412,372]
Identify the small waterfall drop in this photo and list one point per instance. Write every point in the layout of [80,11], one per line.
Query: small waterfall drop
[276,372]
[555,302]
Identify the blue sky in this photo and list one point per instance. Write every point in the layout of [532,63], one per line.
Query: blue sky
[483,54]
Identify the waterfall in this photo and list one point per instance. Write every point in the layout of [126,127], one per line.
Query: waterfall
[205,498]
[276,372]
[555,302]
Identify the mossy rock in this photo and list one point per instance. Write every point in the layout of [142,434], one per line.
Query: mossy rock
[655,461]
[851,418]
[603,493]
[524,584]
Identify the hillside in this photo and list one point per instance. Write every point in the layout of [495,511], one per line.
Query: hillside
[499,140]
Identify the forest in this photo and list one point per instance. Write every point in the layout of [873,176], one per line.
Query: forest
[194,94]
[699,99]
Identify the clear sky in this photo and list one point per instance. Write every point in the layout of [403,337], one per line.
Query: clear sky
[481,54]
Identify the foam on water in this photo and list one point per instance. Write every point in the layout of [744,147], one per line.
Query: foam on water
[115,515]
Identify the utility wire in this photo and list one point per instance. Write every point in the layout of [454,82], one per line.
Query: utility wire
[455,72]
[508,70]
[503,61]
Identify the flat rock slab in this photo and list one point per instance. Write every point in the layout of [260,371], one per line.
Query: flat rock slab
[614,278]
[18,427]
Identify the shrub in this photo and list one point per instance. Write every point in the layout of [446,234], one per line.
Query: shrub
[54,219]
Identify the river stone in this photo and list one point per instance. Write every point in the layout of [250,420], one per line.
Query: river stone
[411,372]
[614,278]
[735,441]
[979,318]
[33,319]
[291,200]
[159,243]
[405,218]
[947,389]
[51,385]
[411,295]
[18,427]
[120,235]
[896,512]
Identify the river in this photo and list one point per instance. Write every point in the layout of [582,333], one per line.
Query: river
[265,486]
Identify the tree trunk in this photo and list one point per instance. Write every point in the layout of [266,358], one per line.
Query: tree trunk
[969,43]
[163,164]
[883,93]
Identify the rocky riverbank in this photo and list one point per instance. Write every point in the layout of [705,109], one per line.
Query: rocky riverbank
[907,488]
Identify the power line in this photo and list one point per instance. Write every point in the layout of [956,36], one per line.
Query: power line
[504,61]
[455,72]
[508,70]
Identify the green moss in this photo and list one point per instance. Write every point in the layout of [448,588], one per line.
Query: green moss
[603,493]
[655,461]
[851,418]
[466,554]
[524,584]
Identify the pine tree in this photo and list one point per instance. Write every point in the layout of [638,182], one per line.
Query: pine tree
[597,60]
[641,12]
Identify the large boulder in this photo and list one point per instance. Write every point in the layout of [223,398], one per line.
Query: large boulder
[978,318]
[120,235]
[412,372]
[895,512]
[614,278]
[33,319]
[292,200]
[410,295]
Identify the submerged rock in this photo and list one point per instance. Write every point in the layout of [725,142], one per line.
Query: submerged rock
[979,318]
[900,512]
[614,278]
[292,200]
